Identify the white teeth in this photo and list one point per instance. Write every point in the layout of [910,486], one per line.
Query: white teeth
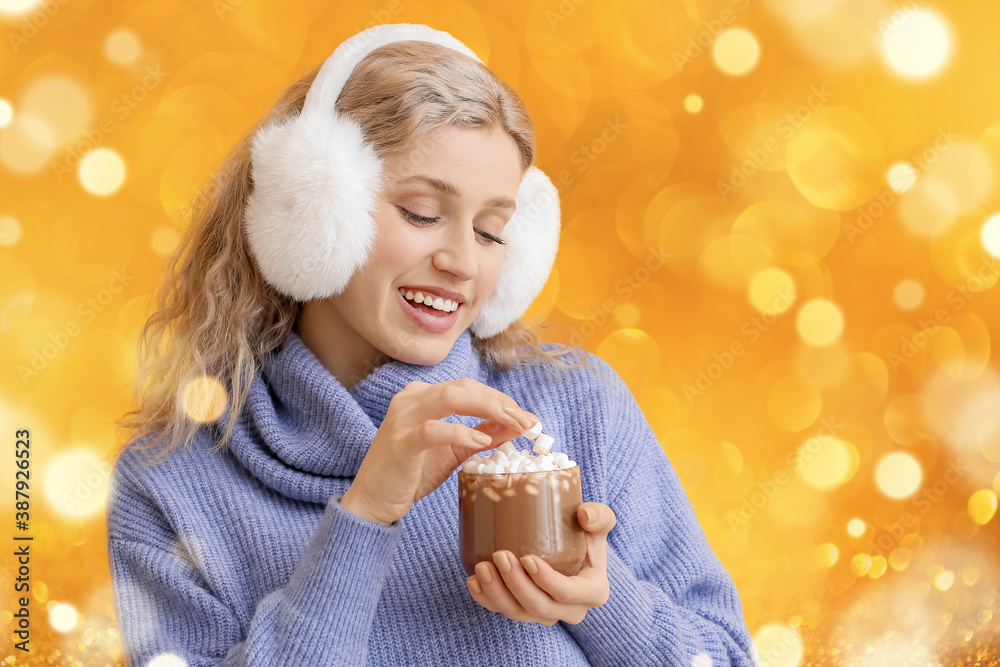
[446,305]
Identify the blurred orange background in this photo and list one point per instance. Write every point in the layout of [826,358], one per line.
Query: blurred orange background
[781,226]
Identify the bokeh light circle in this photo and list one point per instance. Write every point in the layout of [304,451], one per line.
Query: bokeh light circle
[62,102]
[102,171]
[163,240]
[825,555]
[860,564]
[856,527]
[836,159]
[736,51]
[701,660]
[778,645]
[991,235]
[944,580]
[27,144]
[15,7]
[982,506]
[820,322]
[909,294]
[76,482]
[122,47]
[204,399]
[62,617]
[898,475]
[901,177]
[772,290]
[826,462]
[693,103]
[916,43]
[167,660]
[10,230]
[6,112]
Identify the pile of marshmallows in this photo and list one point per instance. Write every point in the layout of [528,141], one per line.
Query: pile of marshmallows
[508,459]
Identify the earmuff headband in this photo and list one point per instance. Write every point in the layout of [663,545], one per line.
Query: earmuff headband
[309,220]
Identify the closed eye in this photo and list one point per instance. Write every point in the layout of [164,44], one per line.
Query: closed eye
[413,217]
[416,218]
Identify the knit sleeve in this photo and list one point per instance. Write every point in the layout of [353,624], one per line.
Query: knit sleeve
[670,598]
[322,616]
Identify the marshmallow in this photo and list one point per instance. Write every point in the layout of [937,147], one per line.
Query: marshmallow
[544,464]
[509,449]
[509,459]
[543,444]
[533,432]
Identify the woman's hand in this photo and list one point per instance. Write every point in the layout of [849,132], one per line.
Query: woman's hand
[546,596]
[414,452]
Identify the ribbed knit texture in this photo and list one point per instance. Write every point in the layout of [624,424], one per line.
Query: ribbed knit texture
[247,557]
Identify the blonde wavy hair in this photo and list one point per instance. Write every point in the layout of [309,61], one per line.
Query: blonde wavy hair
[215,315]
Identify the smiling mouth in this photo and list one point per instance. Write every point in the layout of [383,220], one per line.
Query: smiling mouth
[419,301]
[427,317]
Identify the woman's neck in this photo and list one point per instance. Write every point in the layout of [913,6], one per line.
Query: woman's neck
[347,355]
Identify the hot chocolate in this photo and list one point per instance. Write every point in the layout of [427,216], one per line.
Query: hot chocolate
[525,513]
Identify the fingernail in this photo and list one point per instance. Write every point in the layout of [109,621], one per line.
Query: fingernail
[590,514]
[500,558]
[482,438]
[521,418]
[484,574]
[476,588]
[529,564]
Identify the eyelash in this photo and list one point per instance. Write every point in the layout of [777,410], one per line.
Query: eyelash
[421,219]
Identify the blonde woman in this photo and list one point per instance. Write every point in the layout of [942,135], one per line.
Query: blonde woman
[352,283]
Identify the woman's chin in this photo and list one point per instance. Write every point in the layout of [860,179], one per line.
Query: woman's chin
[426,350]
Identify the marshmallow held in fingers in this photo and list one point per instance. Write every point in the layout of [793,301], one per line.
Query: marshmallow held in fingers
[533,432]
[543,445]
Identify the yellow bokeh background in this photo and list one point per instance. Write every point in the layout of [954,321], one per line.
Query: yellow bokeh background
[776,227]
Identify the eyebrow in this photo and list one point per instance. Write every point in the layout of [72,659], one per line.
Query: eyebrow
[496,201]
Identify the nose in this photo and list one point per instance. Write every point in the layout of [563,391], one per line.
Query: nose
[458,253]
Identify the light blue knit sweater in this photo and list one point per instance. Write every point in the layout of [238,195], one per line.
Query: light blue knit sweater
[246,557]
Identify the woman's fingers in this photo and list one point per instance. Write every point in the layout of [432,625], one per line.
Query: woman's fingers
[464,396]
[460,438]
[479,595]
[500,433]
[597,530]
[499,597]
[532,599]
[583,588]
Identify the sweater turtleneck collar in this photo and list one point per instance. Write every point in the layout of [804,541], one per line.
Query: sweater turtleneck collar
[301,428]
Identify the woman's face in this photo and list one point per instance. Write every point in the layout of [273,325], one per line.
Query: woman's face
[444,204]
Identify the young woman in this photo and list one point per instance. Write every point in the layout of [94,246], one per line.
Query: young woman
[312,519]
